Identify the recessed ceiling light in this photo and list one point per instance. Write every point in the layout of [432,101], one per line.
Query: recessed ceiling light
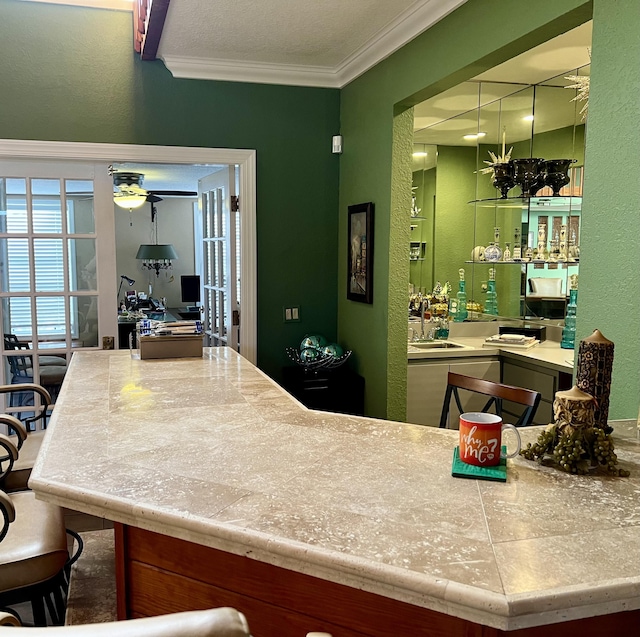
[528,118]
[420,154]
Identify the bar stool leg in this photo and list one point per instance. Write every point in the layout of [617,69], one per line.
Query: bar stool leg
[39,614]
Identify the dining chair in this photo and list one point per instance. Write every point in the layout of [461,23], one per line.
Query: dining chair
[22,434]
[216,622]
[28,390]
[497,394]
[34,559]
[51,373]
[11,341]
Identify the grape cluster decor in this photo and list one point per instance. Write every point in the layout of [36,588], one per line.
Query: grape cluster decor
[575,442]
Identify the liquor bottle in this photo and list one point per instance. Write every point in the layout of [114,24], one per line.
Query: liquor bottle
[491,305]
[461,309]
[569,331]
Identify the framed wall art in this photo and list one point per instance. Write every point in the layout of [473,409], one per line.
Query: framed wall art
[360,253]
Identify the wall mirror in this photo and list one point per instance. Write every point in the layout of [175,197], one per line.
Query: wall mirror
[458,213]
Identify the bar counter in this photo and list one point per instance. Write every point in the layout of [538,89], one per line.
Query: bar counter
[352,521]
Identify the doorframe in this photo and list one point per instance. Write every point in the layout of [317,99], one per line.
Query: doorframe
[116,153]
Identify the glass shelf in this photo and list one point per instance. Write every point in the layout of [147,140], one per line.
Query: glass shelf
[532,262]
[418,218]
[542,203]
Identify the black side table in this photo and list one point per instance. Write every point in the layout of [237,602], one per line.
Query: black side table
[339,390]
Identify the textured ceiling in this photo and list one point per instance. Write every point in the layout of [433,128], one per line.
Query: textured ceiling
[305,42]
[320,33]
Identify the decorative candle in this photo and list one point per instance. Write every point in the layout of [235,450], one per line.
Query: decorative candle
[595,364]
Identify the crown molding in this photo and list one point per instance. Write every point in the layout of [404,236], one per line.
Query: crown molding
[411,23]
[253,72]
[417,19]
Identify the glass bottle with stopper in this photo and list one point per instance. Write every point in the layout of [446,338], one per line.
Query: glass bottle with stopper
[461,298]
[491,305]
[517,245]
[494,251]
[569,331]
[574,249]
[542,242]
[563,254]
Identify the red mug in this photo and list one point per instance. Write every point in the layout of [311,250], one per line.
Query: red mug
[481,439]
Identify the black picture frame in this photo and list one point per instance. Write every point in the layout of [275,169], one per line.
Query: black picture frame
[360,253]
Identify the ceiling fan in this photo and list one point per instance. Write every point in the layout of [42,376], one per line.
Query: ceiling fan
[129,193]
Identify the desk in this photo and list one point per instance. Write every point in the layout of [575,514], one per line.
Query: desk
[237,494]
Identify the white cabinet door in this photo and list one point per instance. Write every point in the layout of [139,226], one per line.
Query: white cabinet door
[538,379]
[426,385]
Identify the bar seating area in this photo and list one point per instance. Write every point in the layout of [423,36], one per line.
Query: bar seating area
[35,564]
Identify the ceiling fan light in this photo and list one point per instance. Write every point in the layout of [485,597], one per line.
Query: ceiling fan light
[129,202]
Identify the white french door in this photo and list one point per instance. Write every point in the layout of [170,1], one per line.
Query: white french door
[221,257]
[49,287]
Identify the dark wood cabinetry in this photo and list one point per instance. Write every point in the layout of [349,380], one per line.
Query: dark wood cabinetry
[339,390]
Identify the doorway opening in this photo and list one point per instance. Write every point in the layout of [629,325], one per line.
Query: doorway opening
[184,157]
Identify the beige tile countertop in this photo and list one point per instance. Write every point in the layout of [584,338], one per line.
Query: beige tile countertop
[548,353]
[212,451]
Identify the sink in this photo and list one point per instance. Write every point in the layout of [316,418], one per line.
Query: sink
[436,345]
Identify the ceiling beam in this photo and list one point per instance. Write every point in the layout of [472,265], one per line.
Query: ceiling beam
[148,22]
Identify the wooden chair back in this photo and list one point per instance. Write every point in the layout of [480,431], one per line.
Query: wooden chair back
[497,393]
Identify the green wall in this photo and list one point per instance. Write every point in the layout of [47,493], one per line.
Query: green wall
[609,287]
[454,224]
[431,63]
[70,74]
[421,272]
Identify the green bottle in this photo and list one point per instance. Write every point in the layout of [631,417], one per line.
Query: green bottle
[491,305]
[569,332]
[461,309]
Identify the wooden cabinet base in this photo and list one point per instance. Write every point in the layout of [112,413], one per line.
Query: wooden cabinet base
[157,574]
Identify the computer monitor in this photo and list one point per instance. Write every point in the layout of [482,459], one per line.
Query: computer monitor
[190,288]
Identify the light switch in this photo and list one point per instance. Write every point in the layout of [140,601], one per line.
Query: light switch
[295,313]
[287,314]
